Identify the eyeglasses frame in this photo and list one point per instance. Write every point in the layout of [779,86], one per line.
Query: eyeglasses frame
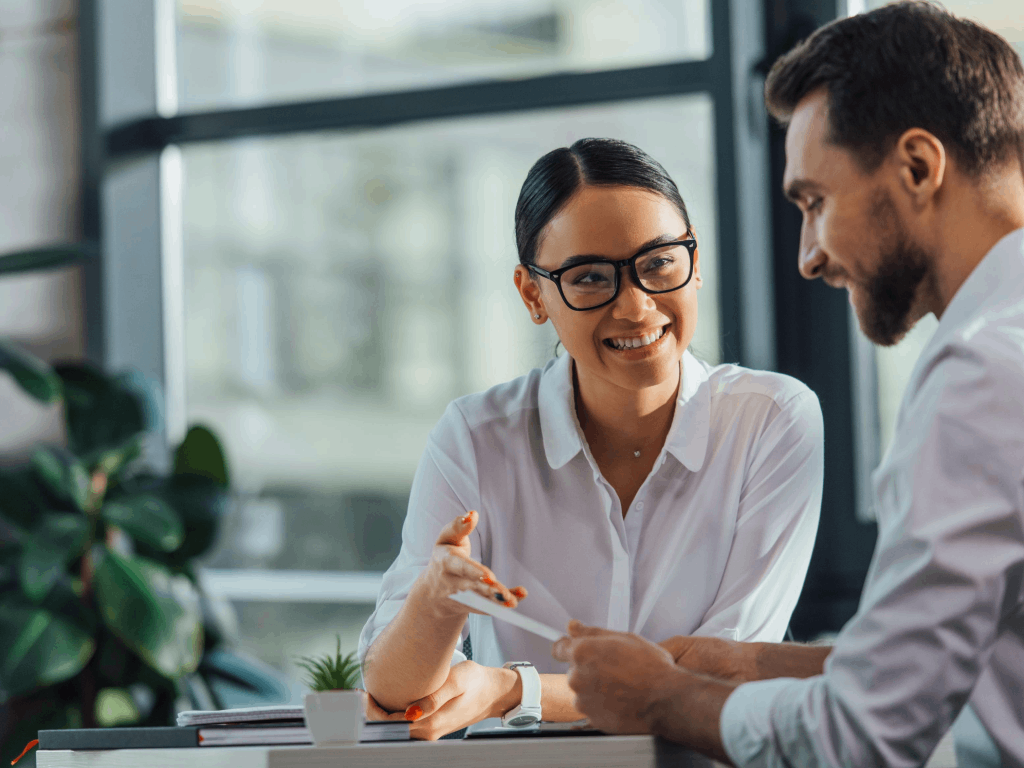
[555,275]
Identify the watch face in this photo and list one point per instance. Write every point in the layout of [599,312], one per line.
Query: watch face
[520,720]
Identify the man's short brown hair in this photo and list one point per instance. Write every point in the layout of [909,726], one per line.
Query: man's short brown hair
[909,65]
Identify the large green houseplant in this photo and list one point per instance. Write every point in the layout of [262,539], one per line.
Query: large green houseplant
[101,614]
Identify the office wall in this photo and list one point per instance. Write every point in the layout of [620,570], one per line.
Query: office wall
[39,197]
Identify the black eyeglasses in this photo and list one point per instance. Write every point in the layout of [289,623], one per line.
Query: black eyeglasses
[590,284]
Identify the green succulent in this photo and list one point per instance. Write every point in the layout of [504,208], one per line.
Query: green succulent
[331,672]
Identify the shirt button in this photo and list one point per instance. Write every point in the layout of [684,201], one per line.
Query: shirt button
[639,507]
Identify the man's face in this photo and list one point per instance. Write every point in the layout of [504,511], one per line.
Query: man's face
[852,235]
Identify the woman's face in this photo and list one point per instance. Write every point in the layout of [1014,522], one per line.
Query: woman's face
[614,223]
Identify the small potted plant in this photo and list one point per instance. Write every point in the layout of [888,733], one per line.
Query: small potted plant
[334,709]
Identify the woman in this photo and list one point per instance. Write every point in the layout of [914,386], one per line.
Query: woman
[626,484]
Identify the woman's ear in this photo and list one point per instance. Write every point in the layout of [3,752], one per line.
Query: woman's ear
[529,292]
[698,281]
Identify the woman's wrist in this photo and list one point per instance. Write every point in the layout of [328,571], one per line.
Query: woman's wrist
[508,688]
[427,601]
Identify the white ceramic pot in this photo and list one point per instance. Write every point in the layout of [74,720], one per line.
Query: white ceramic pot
[334,717]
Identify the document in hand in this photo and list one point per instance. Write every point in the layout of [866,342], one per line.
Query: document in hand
[482,604]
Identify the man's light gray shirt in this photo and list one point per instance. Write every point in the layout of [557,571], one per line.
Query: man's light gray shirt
[941,618]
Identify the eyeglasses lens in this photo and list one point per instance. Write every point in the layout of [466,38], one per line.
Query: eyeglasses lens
[663,269]
[588,285]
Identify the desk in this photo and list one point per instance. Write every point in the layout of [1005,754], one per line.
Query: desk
[574,752]
[577,752]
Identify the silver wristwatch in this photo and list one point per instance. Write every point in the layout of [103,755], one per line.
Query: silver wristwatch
[528,711]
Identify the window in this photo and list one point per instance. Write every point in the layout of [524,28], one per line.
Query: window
[341,289]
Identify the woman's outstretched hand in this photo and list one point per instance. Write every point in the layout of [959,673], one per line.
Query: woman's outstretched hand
[452,569]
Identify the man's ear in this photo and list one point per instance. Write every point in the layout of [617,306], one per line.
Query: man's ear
[529,292]
[921,162]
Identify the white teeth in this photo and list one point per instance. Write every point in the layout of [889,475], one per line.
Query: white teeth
[640,341]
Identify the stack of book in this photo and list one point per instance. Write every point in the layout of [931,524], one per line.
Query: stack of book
[271,725]
[253,726]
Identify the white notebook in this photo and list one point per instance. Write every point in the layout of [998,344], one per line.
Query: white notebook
[241,715]
[255,734]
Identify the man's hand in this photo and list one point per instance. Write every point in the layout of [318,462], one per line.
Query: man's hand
[626,684]
[618,678]
[471,693]
[713,656]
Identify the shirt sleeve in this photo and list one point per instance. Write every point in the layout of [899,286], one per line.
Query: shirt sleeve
[947,570]
[444,487]
[776,524]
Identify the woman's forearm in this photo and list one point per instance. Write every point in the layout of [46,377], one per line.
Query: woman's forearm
[411,657]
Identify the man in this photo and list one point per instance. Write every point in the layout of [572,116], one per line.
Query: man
[904,154]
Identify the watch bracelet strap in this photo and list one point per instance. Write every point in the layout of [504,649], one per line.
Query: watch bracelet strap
[531,686]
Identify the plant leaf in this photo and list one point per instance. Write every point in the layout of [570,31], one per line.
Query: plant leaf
[40,648]
[200,504]
[112,461]
[45,257]
[155,613]
[201,455]
[115,707]
[331,673]
[63,474]
[103,413]
[23,497]
[147,518]
[58,540]
[65,600]
[32,374]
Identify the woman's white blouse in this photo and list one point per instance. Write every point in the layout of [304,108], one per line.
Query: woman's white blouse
[716,542]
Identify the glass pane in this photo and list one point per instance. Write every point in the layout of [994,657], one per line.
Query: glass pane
[342,288]
[243,52]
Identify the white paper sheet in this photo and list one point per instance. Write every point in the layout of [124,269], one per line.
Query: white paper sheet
[481,603]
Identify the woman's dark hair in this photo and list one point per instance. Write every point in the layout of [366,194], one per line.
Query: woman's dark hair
[597,162]
[909,65]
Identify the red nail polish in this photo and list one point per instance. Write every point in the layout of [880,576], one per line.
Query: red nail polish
[508,604]
[488,581]
[414,713]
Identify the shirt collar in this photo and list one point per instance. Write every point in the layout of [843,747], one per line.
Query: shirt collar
[559,428]
[687,438]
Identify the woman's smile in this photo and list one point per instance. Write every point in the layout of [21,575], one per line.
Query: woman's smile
[638,345]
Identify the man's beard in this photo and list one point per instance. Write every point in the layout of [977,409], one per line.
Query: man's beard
[891,291]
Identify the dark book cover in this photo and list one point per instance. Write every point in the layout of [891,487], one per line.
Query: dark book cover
[119,738]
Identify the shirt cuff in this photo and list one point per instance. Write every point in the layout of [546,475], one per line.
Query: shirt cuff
[745,725]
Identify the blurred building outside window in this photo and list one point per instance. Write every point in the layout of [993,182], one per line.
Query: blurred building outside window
[341,288]
[245,52]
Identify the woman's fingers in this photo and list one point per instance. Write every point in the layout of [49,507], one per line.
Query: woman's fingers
[428,705]
[454,534]
[375,712]
[469,574]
